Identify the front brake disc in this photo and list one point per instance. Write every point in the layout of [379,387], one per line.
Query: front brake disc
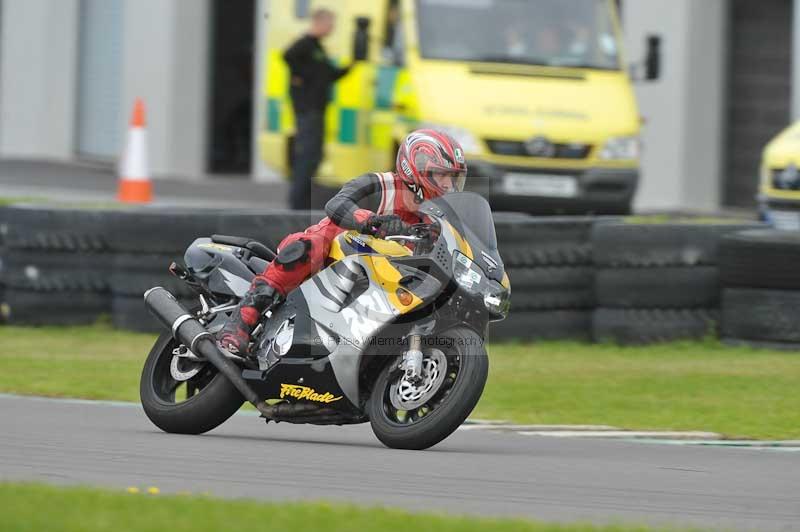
[407,396]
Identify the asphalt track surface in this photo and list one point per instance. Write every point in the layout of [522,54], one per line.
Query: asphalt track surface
[473,472]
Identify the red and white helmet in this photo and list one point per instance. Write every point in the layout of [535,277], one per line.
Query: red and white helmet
[431,163]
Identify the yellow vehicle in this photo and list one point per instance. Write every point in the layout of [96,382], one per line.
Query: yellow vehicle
[536,91]
[779,191]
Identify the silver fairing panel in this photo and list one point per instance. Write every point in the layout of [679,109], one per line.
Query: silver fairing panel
[219,266]
[355,324]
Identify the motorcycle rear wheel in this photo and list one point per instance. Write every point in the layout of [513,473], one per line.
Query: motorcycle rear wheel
[211,399]
[449,405]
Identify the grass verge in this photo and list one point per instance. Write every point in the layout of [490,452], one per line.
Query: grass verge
[12,201]
[738,392]
[686,386]
[89,510]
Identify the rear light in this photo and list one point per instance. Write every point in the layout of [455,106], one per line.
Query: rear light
[178,271]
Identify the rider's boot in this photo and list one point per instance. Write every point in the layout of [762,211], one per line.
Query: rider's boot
[235,334]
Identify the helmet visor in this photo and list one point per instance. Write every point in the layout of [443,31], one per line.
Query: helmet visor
[449,180]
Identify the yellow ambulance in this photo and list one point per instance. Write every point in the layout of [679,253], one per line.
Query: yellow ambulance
[779,191]
[537,92]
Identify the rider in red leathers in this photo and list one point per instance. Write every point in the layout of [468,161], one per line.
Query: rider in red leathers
[429,164]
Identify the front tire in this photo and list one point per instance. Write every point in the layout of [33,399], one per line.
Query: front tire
[211,398]
[450,404]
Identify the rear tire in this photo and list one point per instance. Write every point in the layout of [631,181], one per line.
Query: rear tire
[452,409]
[208,408]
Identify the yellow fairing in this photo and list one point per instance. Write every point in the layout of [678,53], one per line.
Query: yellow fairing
[354,243]
[383,273]
[374,252]
[387,247]
[463,245]
[781,152]
[337,253]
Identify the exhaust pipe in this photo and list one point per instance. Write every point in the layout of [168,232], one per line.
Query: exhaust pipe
[191,333]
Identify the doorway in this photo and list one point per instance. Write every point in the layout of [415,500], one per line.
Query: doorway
[232,74]
[759,90]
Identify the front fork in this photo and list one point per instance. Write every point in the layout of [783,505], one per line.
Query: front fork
[412,359]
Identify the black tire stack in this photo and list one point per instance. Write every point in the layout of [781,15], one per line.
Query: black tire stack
[56,266]
[657,283]
[760,272]
[147,241]
[4,222]
[549,263]
[269,229]
[575,278]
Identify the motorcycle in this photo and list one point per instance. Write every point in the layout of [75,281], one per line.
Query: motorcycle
[391,332]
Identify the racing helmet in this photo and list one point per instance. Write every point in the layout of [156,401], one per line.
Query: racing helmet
[431,163]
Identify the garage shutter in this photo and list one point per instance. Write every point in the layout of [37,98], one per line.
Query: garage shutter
[759,89]
[100,79]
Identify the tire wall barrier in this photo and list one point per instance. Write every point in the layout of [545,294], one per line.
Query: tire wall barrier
[573,278]
[54,266]
[657,282]
[63,266]
[760,277]
[549,263]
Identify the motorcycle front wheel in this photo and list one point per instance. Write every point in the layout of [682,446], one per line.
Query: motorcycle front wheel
[199,401]
[418,416]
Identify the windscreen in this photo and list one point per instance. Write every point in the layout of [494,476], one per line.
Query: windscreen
[567,33]
[466,210]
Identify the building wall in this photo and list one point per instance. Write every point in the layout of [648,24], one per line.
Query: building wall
[165,62]
[38,69]
[683,111]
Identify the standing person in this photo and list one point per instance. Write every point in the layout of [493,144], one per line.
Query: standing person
[312,76]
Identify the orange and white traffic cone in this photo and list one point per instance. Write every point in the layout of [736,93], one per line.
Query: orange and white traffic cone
[134,176]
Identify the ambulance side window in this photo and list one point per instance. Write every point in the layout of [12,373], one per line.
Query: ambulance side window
[301,8]
[394,43]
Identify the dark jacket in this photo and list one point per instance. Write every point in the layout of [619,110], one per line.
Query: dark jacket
[312,73]
[377,193]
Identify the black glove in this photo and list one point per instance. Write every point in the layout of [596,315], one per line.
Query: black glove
[383,226]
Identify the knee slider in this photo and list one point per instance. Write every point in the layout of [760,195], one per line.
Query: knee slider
[293,254]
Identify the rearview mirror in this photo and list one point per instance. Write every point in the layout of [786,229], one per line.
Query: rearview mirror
[652,61]
[361,39]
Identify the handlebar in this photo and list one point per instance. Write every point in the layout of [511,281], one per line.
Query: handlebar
[419,234]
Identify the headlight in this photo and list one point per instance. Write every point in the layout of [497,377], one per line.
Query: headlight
[497,300]
[466,273]
[621,148]
[467,140]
